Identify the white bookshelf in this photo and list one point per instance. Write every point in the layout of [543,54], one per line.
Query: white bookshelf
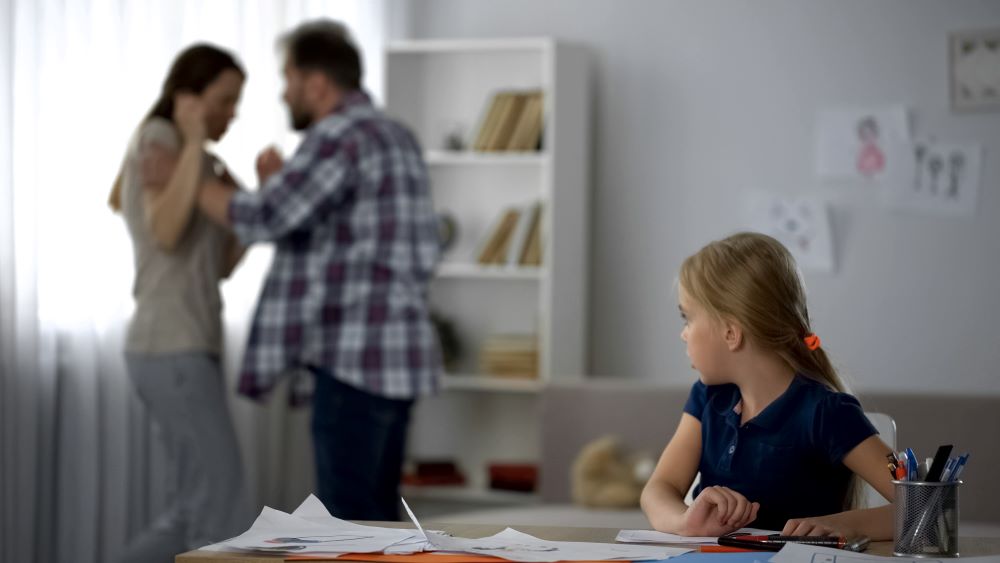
[438,87]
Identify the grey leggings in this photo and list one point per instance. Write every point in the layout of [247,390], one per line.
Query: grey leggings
[185,394]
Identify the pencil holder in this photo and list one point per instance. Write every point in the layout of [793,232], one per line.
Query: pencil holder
[926,522]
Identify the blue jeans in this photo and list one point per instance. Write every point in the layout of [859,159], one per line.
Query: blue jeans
[359,440]
[185,394]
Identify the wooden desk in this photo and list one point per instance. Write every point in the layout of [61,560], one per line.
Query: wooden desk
[969,547]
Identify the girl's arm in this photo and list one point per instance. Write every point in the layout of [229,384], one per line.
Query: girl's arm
[716,511]
[868,461]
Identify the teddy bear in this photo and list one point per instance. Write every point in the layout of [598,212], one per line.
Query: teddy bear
[606,474]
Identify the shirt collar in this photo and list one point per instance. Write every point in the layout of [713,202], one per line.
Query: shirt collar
[352,99]
[775,414]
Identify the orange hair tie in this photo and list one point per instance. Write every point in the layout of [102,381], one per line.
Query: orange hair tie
[812,342]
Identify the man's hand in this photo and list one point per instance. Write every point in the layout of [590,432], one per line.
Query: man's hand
[269,162]
[213,200]
[717,511]
[189,115]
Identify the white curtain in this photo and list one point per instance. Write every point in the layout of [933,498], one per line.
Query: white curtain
[81,468]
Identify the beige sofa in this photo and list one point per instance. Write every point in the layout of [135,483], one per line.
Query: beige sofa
[644,416]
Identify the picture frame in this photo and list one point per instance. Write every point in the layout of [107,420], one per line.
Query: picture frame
[975,70]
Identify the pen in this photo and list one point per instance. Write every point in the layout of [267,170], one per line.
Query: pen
[911,465]
[948,468]
[900,473]
[774,542]
[959,467]
[722,549]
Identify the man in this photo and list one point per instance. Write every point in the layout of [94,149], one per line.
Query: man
[356,243]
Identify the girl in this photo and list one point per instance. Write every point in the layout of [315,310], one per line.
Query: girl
[174,339]
[778,441]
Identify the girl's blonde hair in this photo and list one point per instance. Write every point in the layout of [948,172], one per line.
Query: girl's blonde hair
[752,280]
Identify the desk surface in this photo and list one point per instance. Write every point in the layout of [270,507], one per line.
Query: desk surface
[969,547]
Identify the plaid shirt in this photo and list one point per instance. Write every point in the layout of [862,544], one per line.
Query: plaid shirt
[355,247]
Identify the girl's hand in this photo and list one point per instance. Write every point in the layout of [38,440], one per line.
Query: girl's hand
[819,526]
[189,115]
[718,511]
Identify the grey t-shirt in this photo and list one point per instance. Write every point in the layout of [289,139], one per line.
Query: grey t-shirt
[178,306]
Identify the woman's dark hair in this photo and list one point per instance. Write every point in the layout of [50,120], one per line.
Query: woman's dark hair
[326,46]
[192,71]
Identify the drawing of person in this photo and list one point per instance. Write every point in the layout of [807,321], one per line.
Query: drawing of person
[871,159]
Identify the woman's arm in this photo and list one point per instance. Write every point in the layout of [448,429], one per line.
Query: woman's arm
[171,181]
[234,251]
[716,511]
[233,254]
[868,461]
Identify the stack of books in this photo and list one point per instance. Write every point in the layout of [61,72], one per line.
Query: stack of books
[515,239]
[510,355]
[512,121]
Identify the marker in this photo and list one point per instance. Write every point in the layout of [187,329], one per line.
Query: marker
[937,465]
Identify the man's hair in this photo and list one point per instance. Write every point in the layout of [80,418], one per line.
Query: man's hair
[324,45]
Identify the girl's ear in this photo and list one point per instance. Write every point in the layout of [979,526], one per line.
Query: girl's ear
[733,335]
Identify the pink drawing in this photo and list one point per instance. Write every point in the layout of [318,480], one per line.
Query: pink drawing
[871,159]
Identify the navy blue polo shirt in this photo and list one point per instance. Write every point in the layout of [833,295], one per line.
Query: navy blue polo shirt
[789,457]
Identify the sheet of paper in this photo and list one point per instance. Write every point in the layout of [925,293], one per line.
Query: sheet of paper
[860,143]
[513,545]
[652,536]
[801,223]
[311,529]
[798,553]
[938,177]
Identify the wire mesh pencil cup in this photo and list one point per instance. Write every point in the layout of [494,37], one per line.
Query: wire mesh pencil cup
[926,523]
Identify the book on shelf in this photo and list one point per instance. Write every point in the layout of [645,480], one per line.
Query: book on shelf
[527,133]
[514,238]
[531,251]
[519,240]
[493,248]
[512,121]
[507,120]
[488,121]
[510,355]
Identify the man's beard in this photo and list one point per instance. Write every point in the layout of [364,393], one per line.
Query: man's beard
[300,119]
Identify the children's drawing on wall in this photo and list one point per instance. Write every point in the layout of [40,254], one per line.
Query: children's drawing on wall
[871,159]
[860,144]
[801,223]
[975,69]
[942,177]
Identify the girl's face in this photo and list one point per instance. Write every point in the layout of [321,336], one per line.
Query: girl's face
[704,336]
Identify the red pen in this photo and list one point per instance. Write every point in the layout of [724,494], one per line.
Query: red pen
[723,549]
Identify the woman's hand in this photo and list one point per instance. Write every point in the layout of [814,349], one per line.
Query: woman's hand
[189,115]
[718,511]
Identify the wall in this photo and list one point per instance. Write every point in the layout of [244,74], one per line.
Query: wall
[698,101]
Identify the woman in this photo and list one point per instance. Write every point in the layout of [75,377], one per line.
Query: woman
[174,340]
